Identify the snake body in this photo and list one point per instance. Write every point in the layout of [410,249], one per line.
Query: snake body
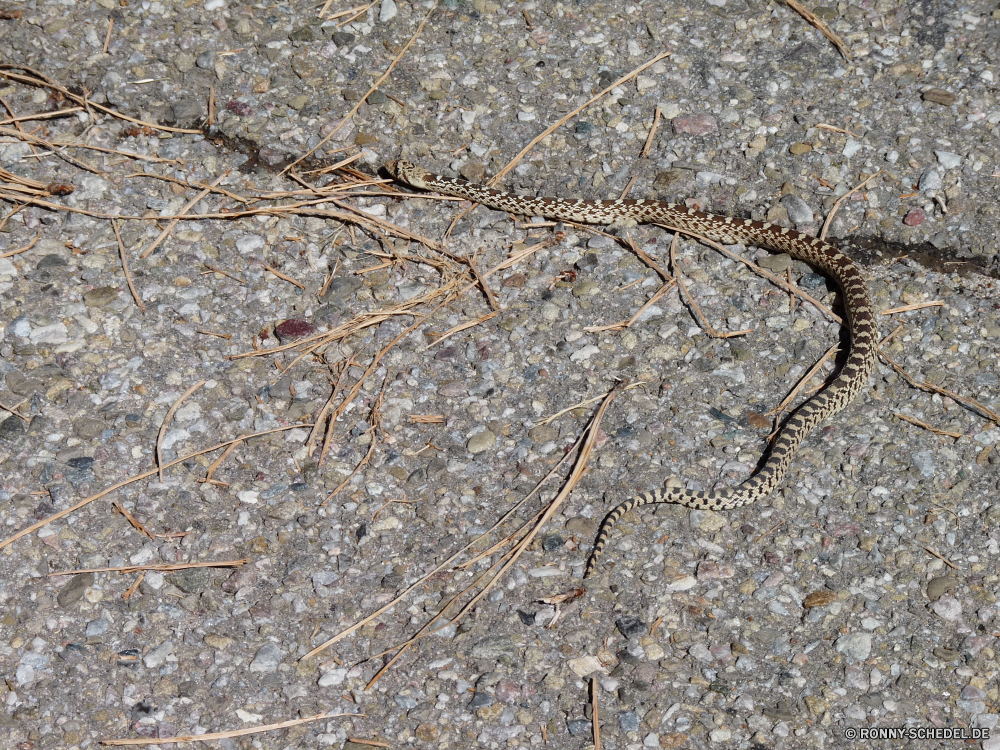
[861,316]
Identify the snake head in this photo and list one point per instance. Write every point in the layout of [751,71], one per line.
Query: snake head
[408,173]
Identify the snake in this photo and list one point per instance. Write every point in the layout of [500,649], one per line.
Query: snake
[857,301]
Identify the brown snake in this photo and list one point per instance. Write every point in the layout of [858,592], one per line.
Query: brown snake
[857,303]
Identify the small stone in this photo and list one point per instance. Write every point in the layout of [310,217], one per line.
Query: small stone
[819,598]
[426,733]
[267,658]
[241,109]
[270,157]
[938,587]
[473,171]
[73,591]
[494,647]
[707,520]
[293,328]
[250,243]
[12,428]
[931,180]
[948,160]
[699,125]
[583,666]
[628,721]
[914,217]
[939,96]
[24,674]
[580,727]
[947,608]
[98,627]
[631,627]
[481,441]
[100,297]
[797,149]
[187,113]
[798,210]
[158,656]
[387,12]
[405,702]
[206,60]
[480,700]
[856,645]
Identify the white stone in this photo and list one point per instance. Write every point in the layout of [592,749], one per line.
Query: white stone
[56,333]
[387,12]
[585,665]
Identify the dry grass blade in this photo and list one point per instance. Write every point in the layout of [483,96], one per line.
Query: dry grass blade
[778,281]
[191,204]
[282,276]
[124,259]
[373,419]
[374,87]
[56,150]
[969,403]
[911,308]
[462,327]
[626,323]
[193,185]
[166,421]
[24,249]
[213,736]
[652,132]
[136,524]
[841,199]
[591,400]
[43,81]
[931,428]
[138,477]
[563,120]
[594,718]
[682,288]
[42,116]
[163,567]
[437,569]
[945,560]
[804,380]
[823,28]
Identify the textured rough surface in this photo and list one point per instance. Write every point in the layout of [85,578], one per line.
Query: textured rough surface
[862,592]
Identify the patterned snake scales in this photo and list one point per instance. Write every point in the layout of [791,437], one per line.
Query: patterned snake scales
[857,303]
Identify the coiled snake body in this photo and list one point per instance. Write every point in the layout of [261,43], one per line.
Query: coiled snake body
[861,316]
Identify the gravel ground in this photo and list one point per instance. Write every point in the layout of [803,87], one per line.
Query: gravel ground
[859,595]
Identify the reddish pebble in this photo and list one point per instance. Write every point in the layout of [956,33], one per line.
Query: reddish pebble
[294,329]
[914,218]
[695,125]
[239,108]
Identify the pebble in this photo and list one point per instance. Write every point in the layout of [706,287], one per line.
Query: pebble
[930,180]
[939,96]
[481,441]
[798,210]
[939,586]
[387,12]
[267,659]
[628,721]
[631,627]
[158,656]
[948,160]
[855,645]
[250,243]
[948,608]
[914,217]
[697,125]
